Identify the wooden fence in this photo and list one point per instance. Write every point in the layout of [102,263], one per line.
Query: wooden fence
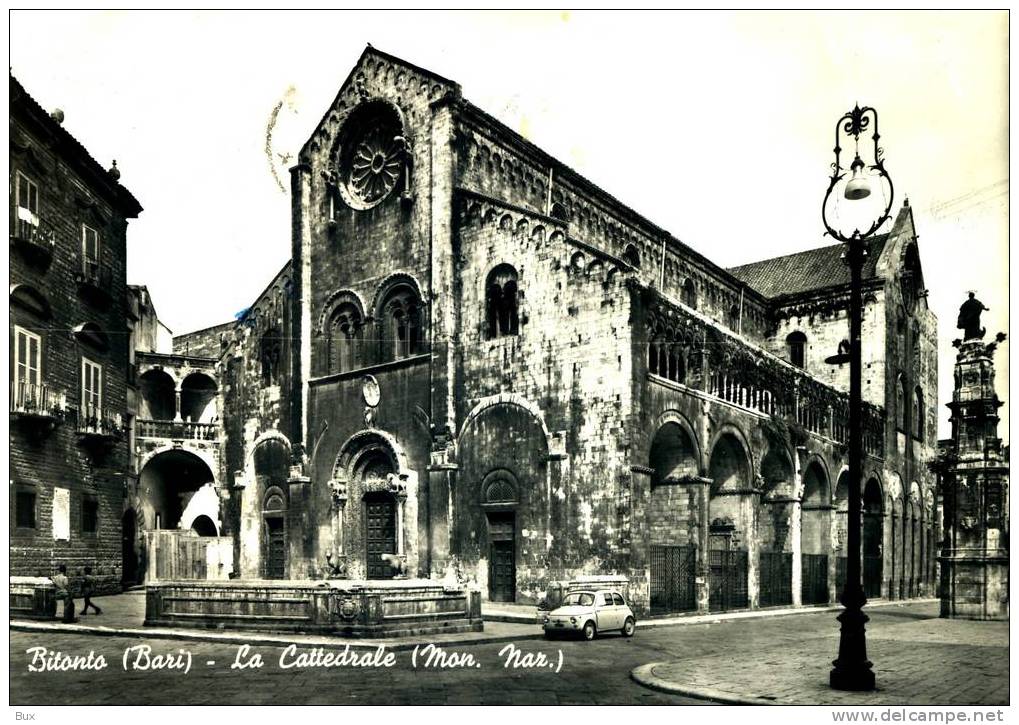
[176,554]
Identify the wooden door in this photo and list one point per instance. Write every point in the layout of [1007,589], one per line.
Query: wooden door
[380,536]
[276,549]
[502,561]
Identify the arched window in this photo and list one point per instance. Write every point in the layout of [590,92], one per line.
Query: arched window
[689,295]
[732,319]
[344,338]
[271,355]
[632,256]
[560,212]
[501,302]
[918,412]
[401,329]
[900,403]
[796,342]
[654,352]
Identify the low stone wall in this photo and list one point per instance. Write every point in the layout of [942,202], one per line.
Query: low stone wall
[32,598]
[347,608]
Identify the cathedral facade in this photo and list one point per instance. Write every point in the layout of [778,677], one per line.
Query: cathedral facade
[478,364]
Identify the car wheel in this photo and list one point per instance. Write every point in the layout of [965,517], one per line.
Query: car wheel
[629,627]
[589,631]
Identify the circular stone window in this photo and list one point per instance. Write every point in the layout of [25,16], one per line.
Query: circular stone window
[372,155]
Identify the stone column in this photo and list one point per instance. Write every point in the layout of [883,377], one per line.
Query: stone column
[301,210]
[442,473]
[703,575]
[298,525]
[176,404]
[796,526]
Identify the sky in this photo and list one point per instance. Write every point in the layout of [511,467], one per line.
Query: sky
[717,126]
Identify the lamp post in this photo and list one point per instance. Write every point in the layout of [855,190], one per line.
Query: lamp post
[852,670]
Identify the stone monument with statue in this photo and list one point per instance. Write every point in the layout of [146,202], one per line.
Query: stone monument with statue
[974,483]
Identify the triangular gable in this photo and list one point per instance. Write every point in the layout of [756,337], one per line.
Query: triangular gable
[358,86]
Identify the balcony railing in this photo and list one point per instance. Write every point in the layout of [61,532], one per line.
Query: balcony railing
[37,400]
[95,280]
[35,239]
[95,421]
[702,357]
[177,430]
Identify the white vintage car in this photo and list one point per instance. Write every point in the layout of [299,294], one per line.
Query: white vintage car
[590,611]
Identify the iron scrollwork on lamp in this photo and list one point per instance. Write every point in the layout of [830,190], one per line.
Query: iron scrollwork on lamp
[852,670]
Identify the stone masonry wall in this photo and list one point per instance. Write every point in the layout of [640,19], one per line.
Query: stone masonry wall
[57,459]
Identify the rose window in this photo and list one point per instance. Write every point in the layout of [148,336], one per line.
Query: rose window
[375,166]
[373,155]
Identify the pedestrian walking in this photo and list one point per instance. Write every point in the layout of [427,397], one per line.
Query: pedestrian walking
[88,588]
[63,591]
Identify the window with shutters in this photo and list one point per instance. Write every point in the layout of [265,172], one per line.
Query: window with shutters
[91,388]
[89,251]
[27,376]
[27,194]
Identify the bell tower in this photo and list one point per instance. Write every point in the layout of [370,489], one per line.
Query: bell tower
[974,475]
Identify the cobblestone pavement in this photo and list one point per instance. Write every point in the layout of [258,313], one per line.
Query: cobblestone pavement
[592,672]
[918,660]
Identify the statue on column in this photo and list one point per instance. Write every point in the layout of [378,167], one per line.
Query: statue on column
[969,318]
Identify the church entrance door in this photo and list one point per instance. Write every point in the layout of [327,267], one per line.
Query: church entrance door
[502,564]
[380,534]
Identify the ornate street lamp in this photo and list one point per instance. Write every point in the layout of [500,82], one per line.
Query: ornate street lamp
[852,670]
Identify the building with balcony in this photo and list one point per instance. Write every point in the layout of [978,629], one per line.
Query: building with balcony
[69,371]
[480,365]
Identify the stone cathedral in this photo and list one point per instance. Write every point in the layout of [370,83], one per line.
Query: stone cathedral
[479,365]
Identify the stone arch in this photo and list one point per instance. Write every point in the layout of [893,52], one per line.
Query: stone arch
[270,464]
[366,442]
[874,511]
[157,387]
[198,391]
[394,280]
[777,473]
[200,453]
[505,547]
[673,455]
[677,418]
[334,300]
[499,488]
[269,435]
[511,399]
[731,506]
[823,472]
[740,437]
[815,510]
[177,484]
[775,522]
[204,526]
[399,318]
[29,298]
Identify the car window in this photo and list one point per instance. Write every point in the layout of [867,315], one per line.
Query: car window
[618,600]
[583,599]
[607,599]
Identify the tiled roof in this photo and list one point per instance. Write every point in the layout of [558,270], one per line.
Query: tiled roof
[805,271]
[73,150]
